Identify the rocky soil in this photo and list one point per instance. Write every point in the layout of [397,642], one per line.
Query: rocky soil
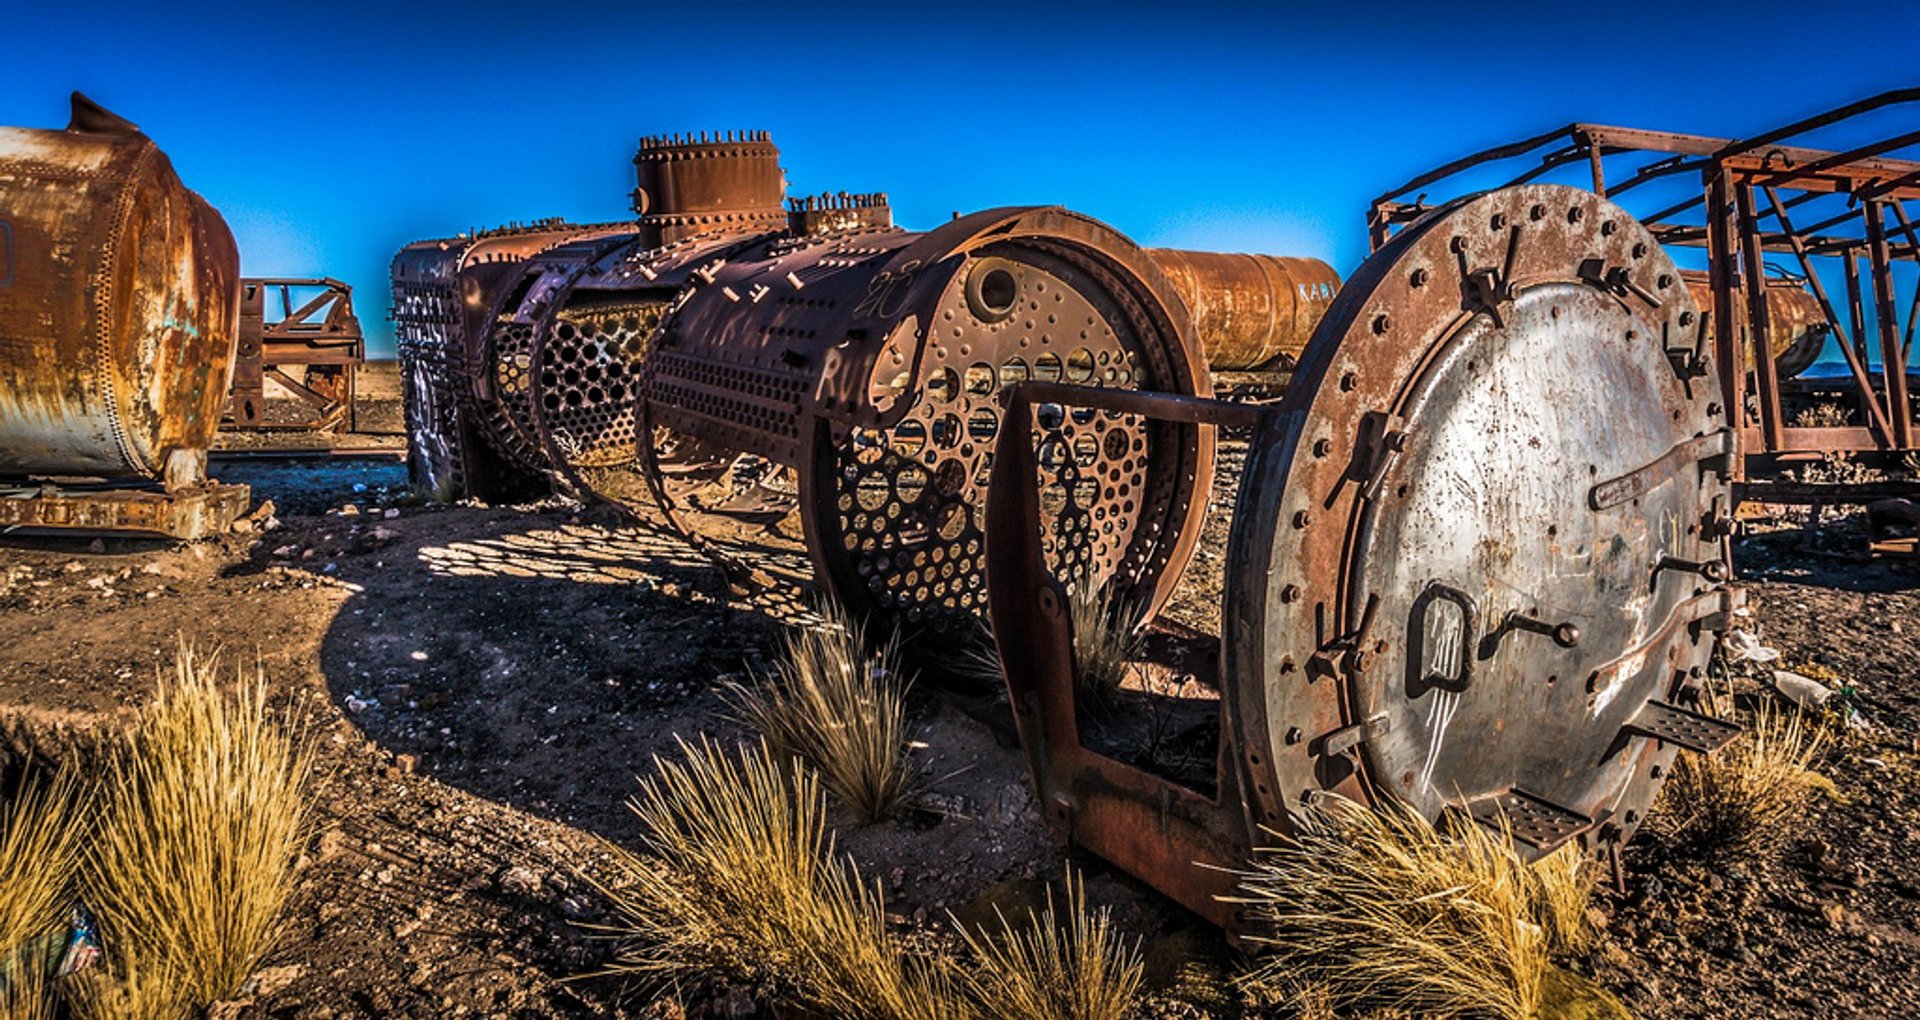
[485,684]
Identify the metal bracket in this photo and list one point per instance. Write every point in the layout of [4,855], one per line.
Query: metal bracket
[1710,451]
[1346,738]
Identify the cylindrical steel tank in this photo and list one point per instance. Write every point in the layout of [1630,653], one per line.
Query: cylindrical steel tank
[1251,312]
[1796,327]
[119,303]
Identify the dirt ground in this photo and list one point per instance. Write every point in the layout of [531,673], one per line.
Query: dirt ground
[485,684]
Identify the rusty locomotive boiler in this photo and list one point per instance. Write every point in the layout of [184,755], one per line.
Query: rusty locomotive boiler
[119,299]
[802,383]
[442,291]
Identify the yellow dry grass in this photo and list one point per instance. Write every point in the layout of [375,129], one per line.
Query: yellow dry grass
[24,994]
[1387,911]
[203,813]
[119,990]
[1104,644]
[1054,967]
[40,828]
[839,708]
[737,875]
[1745,799]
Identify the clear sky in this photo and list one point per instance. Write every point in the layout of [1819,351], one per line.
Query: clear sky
[329,138]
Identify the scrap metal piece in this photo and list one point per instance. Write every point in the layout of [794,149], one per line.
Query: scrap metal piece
[872,364]
[119,298]
[319,339]
[1506,437]
[1797,329]
[1689,731]
[183,514]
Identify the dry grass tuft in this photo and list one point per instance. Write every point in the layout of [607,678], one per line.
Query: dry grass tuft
[1743,800]
[24,994]
[203,812]
[738,877]
[1104,644]
[1563,882]
[40,827]
[838,708]
[122,991]
[1054,968]
[1388,911]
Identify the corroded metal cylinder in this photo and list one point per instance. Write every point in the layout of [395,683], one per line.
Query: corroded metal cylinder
[1797,329]
[687,185]
[1251,312]
[119,304]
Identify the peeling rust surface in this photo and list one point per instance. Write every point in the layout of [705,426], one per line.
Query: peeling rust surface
[119,308]
[1252,312]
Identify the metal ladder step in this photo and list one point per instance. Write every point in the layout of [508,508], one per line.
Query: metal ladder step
[1680,727]
[1534,820]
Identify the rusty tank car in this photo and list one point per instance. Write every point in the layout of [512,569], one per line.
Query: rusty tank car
[119,301]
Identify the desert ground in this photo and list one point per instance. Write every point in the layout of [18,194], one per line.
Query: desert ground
[485,684]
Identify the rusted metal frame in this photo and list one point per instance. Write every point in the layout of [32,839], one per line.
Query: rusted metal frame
[1496,153]
[1856,302]
[1554,160]
[1834,116]
[1888,187]
[1184,843]
[1817,440]
[1595,164]
[1844,161]
[1869,402]
[1913,254]
[1726,346]
[1766,375]
[1893,368]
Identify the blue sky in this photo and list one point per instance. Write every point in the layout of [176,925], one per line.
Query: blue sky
[329,138]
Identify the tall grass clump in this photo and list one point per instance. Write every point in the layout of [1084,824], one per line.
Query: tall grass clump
[1104,643]
[1743,800]
[838,707]
[737,876]
[1563,887]
[40,828]
[203,812]
[1389,911]
[1054,967]
[126,987]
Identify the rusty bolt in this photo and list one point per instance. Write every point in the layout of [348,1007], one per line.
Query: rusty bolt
[1290,594]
